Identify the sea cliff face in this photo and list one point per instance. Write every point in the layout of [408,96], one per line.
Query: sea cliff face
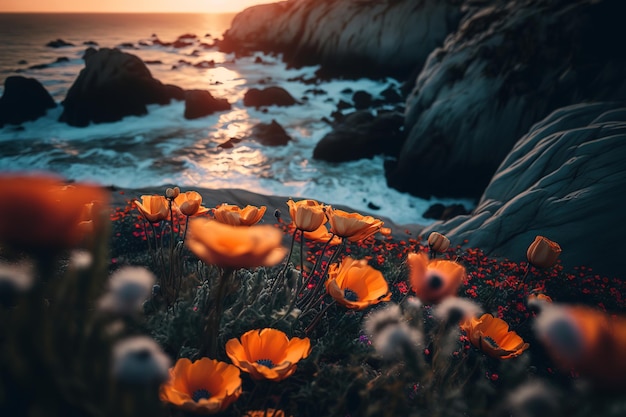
[347,37]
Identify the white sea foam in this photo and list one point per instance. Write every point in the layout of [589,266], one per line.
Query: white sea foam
[164,148]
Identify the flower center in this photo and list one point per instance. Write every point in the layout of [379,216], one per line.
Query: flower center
[200,394]
[350,295]
[435,282]
[491,342]
[266,362]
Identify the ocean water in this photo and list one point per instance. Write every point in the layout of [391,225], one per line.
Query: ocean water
[163,147]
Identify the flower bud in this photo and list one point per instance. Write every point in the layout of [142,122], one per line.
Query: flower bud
[438,242]
[172,192]
[543,253]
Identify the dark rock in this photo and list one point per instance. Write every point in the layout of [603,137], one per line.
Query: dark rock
[439,211]
[113,85]
[362,100]
[22,62]
[59,43]
[90,43]
[187,36]
[159,42]
[272,134]
[507,67]
[258,60]
[348,37]
[316,91]
[230,143]
[564,180]
[153,62]
[361,135]
[179,43]
[205,64]
[61,59]
[391,95]
[24,99]
[270,96]
[342,105]
[126,45]
[200,103]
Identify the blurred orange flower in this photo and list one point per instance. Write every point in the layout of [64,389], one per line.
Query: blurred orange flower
[153,207]
[356,285]
[352,226]
[267,353]
[433,280]
[43,212]
[205,386]
[587,340]
[190,204]
[236,216]
[321,234]
[307,215]
[235,246]
[543,253]
[492,335]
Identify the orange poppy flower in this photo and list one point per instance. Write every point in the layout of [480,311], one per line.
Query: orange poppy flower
[543,253]
[307,215]
[352,226]
[235,246]
[153,207]
[433,280]
[43,212]
[322,235]
[356,285]
[205,386]
[267,353]
[190,204]
[236,216]
[586,340]
[492,335]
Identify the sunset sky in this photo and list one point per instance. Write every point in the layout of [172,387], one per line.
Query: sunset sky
[182,6]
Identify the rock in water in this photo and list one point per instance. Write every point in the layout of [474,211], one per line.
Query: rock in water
[507,67]
[113,85]
[24,99]
[564,180]
[200,103]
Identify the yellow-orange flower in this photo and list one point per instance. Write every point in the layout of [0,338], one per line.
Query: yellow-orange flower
[235,246]
[321,234]
[153,207]
[267,353]
[352,226]
[205,386]
[237,216]
[43,212]
[433,280]
[307,215]
[492,335]
[543,253]
[190,204]
[587,340]
[356,285]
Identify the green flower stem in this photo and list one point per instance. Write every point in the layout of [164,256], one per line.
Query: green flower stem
[214,316]
[313,295]
[317,318]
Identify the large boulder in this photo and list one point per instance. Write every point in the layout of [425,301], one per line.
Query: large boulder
[270,96]
[507,67]
[564,180]
[200,103]
[113,85]
[24,99]
[361,135]
[348,37]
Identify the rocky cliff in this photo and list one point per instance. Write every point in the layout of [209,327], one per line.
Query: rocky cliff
[564,180]
[347,37]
